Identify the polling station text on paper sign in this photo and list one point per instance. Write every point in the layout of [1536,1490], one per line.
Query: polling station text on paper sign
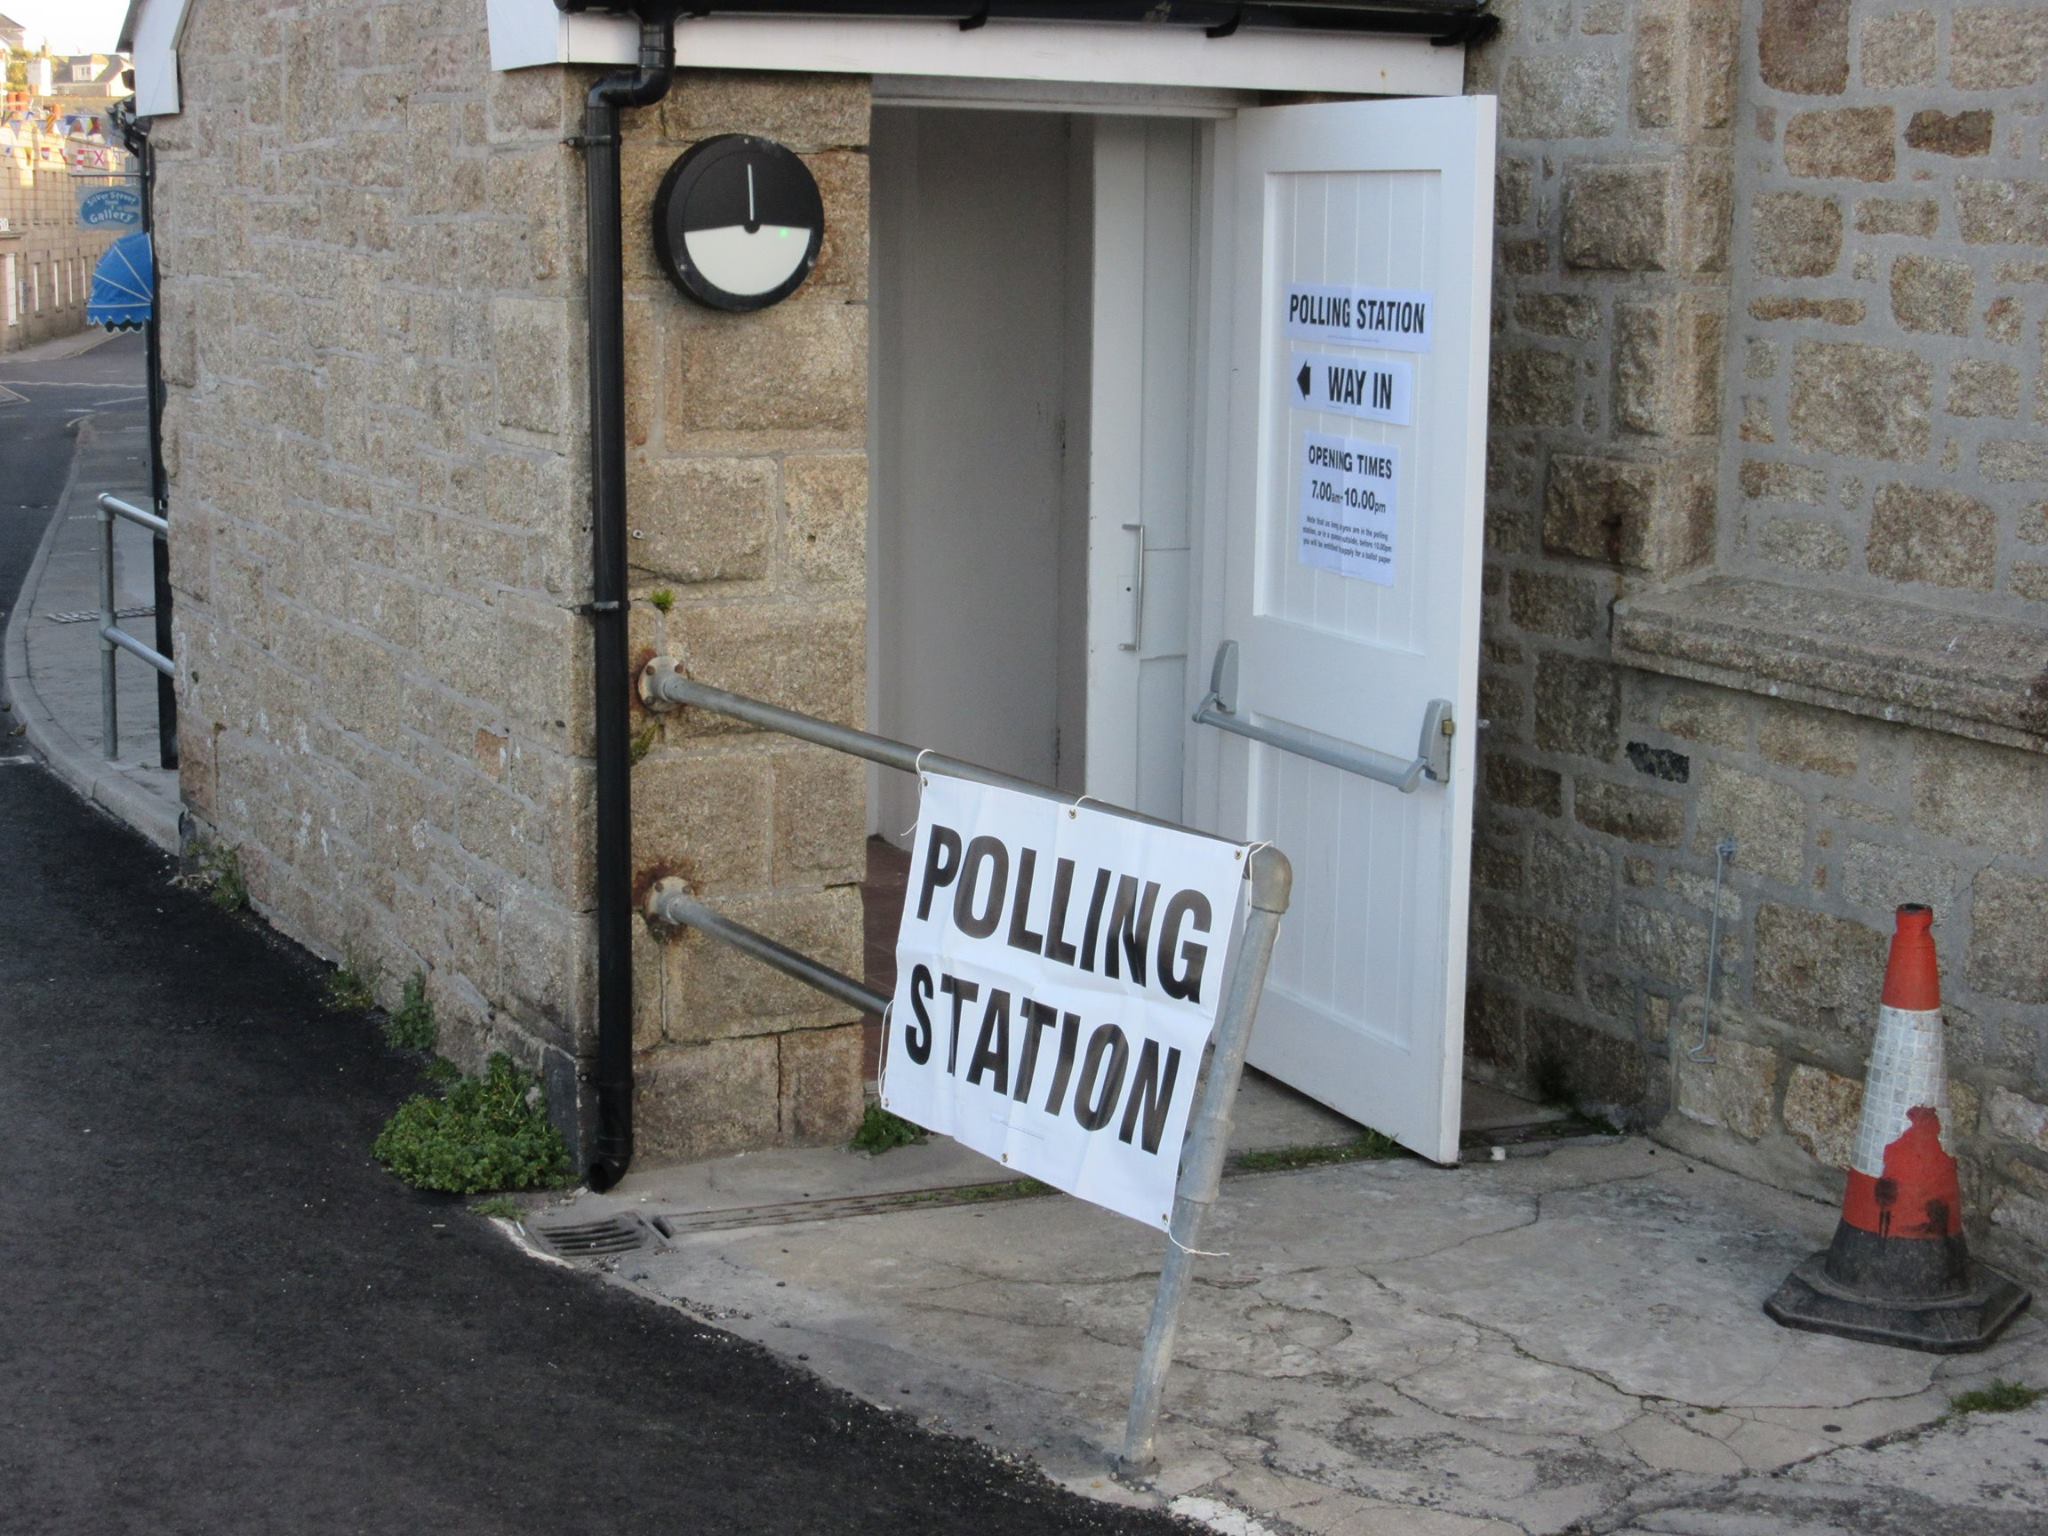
[1396,318]
[1057,976]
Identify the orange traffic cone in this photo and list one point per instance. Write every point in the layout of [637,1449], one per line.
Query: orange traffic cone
[1899,1271]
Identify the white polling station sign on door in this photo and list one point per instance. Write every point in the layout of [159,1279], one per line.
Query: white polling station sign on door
[1395,318]
[1057,976]
[1348,522]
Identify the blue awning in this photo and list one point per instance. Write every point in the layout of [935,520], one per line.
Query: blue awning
[122,285]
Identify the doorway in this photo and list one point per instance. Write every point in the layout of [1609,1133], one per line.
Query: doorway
[1147,392]
[1031,387]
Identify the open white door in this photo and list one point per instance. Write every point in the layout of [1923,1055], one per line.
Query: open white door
[1342,556]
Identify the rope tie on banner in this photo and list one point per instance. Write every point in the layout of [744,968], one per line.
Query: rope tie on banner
[1083,801]
[1195,1253]
[917,770]
[882,1066]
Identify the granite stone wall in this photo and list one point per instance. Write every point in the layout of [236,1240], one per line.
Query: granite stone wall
[748,482]
[370,245]
[377,432]
[1767,543]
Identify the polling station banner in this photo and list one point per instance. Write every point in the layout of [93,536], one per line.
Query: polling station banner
[1057,977]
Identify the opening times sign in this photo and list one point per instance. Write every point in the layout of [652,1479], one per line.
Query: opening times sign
[1057,977]
[1348,521]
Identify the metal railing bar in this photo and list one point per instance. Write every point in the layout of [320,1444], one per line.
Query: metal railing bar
[114,504]
[679,908]
[1383,768]
[135,647]
[1432,758]
[662,682]
[112,636]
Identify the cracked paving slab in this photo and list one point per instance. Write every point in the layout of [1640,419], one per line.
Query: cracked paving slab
[1568,1342]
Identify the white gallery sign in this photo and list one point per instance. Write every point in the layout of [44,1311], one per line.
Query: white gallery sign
[1057,977]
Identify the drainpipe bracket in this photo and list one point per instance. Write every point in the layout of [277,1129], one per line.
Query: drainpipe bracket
[651,676]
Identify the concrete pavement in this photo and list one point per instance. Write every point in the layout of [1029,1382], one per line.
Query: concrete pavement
[76,404]
[1570,1340]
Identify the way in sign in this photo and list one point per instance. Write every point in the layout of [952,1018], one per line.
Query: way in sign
[1371,391]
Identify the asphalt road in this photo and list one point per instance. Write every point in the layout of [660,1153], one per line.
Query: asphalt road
[217,1314]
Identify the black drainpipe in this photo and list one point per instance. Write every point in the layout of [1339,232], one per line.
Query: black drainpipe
[136,138]
[612,1076]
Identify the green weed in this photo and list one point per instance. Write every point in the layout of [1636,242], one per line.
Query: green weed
[663,599]
[1369,1146]
[487,1133]
[503,1206]
[2001,1396]
[352,988]
[881,1131]
[441,1072]
[412,1027]
[1014,1189]
[979,1194]
[643,743]
[220,875]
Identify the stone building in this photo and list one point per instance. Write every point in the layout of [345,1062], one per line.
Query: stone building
[1766,556]
[46,260]
[1769,564]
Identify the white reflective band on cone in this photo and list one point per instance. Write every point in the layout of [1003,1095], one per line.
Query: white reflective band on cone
[1907,1071]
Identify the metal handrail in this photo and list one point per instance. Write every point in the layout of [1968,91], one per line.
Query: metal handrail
[112,636]
[1432,759]
[663,684]
[1268,875]
[671,902]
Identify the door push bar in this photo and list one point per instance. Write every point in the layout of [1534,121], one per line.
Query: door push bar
[1432,755]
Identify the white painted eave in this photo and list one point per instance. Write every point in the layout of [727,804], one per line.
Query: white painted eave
[526,33]
[150,34]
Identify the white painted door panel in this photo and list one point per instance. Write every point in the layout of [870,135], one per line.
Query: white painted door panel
[1364,1007]
[1139,480]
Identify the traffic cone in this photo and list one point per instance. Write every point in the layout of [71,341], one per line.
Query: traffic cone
[1899,1271]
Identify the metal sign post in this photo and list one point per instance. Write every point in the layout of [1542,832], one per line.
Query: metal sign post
[1201,1165]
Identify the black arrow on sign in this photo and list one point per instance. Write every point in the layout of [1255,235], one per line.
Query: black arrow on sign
[1301,379]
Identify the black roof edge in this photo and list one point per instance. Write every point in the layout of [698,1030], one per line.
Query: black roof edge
[1448,23]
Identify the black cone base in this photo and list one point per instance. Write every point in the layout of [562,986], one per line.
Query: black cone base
[1950,1324]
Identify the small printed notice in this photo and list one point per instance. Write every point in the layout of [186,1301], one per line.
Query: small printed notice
[1368,389]
[1348,521]
[1057,976]
[1394,318]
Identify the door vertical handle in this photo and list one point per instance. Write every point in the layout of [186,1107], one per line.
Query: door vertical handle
[1137,592]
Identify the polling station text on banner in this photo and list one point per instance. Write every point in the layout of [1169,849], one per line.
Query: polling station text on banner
[1057,976]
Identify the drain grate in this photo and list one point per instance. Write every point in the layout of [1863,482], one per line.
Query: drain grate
[603,1238]
[89,615]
